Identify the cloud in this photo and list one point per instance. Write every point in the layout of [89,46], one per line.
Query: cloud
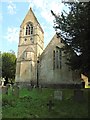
[12,34]
[56,6]
[46,6]
[47,16]
[37,3]
[11,8]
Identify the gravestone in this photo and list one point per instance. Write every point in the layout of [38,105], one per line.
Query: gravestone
[4,90]
[15,91]
[50,105]
[39,89]
[29,87]
[78,95]
[58,95]
[8,85]
[34,86]
[31,82]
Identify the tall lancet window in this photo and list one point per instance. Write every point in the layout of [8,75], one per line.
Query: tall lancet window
[29,29]
[57,58]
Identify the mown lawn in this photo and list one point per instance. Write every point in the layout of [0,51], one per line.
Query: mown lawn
[33,104]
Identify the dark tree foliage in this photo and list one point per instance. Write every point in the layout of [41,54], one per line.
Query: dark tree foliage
[74,29]
[8,65]
[0,64]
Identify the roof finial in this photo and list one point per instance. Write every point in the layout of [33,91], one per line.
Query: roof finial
[30,8]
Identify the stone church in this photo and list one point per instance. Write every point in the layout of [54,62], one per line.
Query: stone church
[36,64]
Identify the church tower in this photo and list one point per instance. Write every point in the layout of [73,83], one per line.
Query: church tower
[30,47]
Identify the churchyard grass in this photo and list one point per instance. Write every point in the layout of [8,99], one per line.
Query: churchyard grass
[33,104]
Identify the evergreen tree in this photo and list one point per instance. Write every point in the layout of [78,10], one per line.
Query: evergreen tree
[74,29]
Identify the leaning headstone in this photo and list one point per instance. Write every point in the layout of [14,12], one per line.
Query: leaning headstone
[58,95]
[8,85]
[29,87]
[34,86]
[15,91]
[78,95]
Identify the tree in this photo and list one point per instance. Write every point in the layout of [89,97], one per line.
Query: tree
[0,65]
[74,29]
[8,65]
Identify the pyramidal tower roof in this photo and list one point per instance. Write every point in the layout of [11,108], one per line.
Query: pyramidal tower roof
[29,15]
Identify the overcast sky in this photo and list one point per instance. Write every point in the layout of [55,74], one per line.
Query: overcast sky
[12,13]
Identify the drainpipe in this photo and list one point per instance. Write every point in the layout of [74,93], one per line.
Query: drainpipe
[37,74]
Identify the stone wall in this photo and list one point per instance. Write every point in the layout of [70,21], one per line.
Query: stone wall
[30,48]
[46,72]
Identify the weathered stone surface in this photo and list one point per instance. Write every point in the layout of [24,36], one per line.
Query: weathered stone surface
[31,49]
[15,91]
[58,75]
[28,51]
[58,95]
[4,90]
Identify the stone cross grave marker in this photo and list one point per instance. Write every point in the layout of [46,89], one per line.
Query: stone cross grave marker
[58,95]
[50,104]
[78,95]
[15,91]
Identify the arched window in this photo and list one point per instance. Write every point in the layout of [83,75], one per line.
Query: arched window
[57,59]
[29,29]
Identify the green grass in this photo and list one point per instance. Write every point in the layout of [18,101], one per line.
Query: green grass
[33,104]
